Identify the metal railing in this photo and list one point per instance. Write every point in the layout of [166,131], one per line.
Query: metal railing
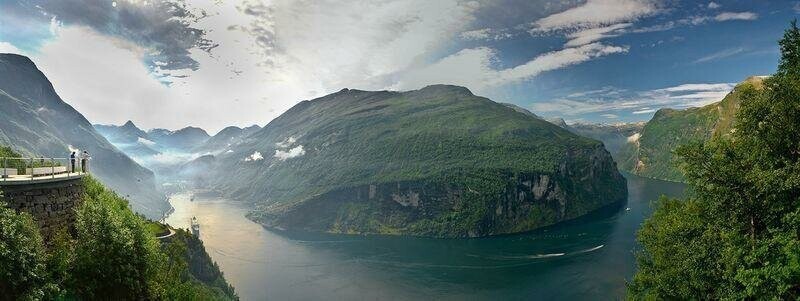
[29,169]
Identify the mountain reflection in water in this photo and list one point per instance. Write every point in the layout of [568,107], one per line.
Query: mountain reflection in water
[589,258]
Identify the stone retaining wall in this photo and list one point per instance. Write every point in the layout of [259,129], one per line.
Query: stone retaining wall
[52,204]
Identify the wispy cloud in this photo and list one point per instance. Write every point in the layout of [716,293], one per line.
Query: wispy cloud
[291,153]
[586,36]
[643,111]
[728,16]
[486,34]
[165,29]
[596,13]
[698,20]
[638,103]
[720,55]
[473,67]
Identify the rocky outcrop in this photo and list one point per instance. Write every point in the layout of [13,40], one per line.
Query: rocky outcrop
[527,201]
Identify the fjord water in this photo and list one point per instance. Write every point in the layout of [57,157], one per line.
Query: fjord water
[589,258]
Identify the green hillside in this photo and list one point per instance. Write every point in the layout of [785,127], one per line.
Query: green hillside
[652,155]
[110,255]
[438,161]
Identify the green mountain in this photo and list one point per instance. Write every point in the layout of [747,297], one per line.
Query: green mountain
[129,138]
[35,121]
[651,154]
[226,138]
[183,140]
[438,161]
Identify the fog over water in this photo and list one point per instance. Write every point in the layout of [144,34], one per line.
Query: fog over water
[589,258]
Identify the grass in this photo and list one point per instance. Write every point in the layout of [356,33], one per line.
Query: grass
[156,228]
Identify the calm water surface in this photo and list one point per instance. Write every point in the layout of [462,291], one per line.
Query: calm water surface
[586,259]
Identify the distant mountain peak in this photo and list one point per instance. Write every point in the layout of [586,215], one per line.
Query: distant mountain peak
[129,124]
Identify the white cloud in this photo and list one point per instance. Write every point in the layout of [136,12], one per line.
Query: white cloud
[596,13]
[291,153]
[256,156]
[728,16]
[270,56]
[713,5]
[145,141]
[725,87]
[473,67]
[642,102]
[586,36]
[610,116]
[485,34]
[288,142]
[643,111]
[6,47]
[478,34]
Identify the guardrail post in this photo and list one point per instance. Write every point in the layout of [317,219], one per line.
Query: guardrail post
[31,169]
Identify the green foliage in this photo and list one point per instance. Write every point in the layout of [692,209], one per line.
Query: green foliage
[430,136]
[194,275]
[23,273]
[737,236]
[113,255]
[7,152]
[117,255]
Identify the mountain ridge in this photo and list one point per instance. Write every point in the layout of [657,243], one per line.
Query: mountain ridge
[402,162]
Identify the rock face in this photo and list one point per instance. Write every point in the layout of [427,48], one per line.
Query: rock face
[525,202]
[52,204]
[437,162]
[35,121]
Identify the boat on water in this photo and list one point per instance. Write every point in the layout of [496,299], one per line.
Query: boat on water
[195,227]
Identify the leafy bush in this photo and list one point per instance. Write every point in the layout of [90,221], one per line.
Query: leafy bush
[23,273]
[112,255]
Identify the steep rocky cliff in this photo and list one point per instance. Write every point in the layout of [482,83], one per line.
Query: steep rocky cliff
[438,161]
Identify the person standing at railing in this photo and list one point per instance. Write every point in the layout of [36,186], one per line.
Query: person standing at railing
[85,160]
[72,162]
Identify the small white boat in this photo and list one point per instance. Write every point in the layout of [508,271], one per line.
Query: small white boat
[628,209]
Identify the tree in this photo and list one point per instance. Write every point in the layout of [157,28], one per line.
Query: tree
[737,235]
[115,256]
[22,267]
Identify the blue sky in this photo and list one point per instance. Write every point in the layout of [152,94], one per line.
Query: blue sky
[216,63]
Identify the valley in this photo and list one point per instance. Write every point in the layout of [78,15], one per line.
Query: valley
[399,150]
